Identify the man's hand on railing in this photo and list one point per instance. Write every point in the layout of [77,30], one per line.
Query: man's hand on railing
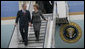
[15,24]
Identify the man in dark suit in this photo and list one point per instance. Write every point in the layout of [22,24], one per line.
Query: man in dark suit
[24,18]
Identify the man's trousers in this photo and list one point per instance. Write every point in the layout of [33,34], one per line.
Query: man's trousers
[24,32]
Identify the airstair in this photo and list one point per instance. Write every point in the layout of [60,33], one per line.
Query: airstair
[16,40]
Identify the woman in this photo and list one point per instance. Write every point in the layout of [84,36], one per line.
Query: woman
[36,20]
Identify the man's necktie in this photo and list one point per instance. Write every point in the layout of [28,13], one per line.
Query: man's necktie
[24,13]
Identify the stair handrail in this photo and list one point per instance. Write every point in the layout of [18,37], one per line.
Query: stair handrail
[47,33]
[50,32]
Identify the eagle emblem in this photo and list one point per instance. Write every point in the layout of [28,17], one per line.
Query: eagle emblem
[70,32]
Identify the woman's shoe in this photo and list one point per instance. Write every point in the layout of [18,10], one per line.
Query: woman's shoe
[37,39]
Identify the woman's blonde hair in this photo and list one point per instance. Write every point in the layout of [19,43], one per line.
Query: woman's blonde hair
[36,5]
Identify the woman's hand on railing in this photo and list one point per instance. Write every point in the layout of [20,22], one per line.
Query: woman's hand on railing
[46,20]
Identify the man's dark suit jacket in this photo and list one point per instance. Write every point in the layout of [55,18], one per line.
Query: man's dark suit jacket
[23,18]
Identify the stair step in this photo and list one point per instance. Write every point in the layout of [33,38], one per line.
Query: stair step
[31,42]
[36,42]
[44,24]
[41,26]
[35,39]
[32,29]
[34,33]
[43,21]
[40,41]
[30,45]
[41,46]
[34,36]
[41,32]
[35,47]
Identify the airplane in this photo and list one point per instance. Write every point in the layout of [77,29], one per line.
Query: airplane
[62,30]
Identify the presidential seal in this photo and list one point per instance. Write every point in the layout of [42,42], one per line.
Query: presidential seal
[70,32]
